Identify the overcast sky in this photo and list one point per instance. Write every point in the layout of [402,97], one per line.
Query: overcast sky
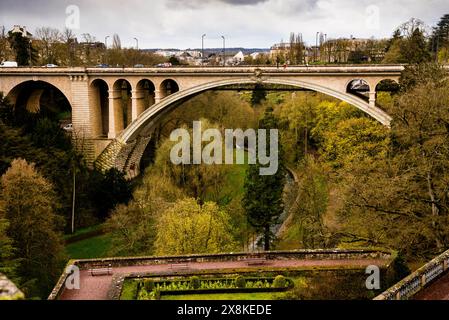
[244,23]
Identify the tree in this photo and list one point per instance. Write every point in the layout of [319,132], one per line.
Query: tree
[29,203]
[49,40]
[262,201]
[312,205]
[133,226]
[189,227]
[409,44]
[355,139]
[108,190]
[23,48]
[401,200]
[116,42]
[8,264]
[203,181]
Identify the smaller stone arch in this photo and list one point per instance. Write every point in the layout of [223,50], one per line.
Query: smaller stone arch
[120,98]
[168,87]
[359,87]
[388,85]
[144,96]
[99,103]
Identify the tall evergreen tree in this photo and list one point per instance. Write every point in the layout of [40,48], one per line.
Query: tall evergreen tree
[29,203]
[23,48]
[263,200]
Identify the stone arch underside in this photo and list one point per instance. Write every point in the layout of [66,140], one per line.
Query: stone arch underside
[125,151]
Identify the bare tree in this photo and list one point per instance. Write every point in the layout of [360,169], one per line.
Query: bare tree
[69,39]
[49,39]
[116,43]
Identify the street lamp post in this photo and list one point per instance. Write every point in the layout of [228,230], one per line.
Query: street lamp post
[325,47]
[202,48]
[224,51]
[316,47]
[137,43]
[106,51]
[30,52]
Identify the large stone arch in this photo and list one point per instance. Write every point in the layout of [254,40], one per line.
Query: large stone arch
[127,149]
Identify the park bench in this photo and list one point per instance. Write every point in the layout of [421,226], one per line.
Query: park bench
[179,266]
[256,261]
[101,270]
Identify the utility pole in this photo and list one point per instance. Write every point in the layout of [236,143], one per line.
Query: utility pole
[202,48]
[73,199]
[316,46]
[224,51]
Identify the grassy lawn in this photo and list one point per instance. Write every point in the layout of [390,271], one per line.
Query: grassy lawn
[235,179]
[83,231]
[96,247]
[227,296]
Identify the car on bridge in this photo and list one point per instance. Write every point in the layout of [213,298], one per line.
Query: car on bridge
[164,65]
[102,65]
[8,64]
[50,65]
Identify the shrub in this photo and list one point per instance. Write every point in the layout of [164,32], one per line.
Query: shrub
[148,285]
[195,282]
[240,282]
[280,282]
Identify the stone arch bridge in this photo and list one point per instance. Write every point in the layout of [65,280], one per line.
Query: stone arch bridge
[115,109]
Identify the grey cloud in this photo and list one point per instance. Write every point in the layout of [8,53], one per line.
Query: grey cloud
[196,4]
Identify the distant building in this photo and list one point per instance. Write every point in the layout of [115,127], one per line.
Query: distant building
[238,58]
[345,50]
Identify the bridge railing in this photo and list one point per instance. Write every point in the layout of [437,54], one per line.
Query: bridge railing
[418,280]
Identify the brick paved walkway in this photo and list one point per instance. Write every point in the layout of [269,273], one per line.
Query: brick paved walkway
[96,288]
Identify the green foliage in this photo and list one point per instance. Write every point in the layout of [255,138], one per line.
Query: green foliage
[8,263]
[22,48]
[280,282]
[353,140]
[195,282]
[314,199]
[258,95]
[148,284]
[240,282]
[188,227]
[108,190]
[408,45]
[29,203]
[129,290]
[401,201]
[263,201]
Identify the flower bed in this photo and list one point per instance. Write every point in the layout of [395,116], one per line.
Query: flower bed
[148,289]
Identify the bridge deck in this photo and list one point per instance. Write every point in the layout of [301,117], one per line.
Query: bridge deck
[376,69]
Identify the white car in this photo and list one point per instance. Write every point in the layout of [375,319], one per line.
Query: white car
[8,64]
[50,65]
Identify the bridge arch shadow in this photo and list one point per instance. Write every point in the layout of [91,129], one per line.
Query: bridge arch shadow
[40,97]
[126,150]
